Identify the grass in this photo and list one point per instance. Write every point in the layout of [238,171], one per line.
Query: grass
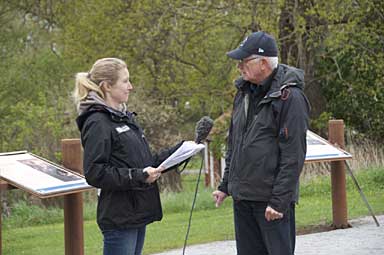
[23,234]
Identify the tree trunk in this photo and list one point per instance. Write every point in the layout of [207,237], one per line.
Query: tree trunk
[295,50]
[170,182]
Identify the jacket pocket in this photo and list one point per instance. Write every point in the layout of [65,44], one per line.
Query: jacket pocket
[147,202]
[115,208]
[251,168]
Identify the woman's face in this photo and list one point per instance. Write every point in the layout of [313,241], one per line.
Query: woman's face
[119,92]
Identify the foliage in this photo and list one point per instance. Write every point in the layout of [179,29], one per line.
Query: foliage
[220,134]
[319,125]
[175,51]
[351,66]
[32,90]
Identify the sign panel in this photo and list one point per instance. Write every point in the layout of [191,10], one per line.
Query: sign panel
[319,149]
[39,176]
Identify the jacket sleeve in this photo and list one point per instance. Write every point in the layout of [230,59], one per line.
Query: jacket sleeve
[97,145]
[228,155]
[293,125]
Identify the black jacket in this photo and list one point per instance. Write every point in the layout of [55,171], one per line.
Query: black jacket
[115,154]
[265,157]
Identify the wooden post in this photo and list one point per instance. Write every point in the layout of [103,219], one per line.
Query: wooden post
[73,203]
[207,156]
[339,197]
[1,225]
[217,172]
[4,186]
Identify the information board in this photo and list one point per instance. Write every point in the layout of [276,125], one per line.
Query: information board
[319,149]
[39,176]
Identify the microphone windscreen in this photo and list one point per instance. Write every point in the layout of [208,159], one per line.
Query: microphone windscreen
[203,127]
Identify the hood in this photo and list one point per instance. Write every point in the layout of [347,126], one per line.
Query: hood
[289,75]
[94,103]
[92,99]
[285,75]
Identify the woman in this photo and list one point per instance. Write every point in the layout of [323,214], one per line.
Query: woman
[117,158]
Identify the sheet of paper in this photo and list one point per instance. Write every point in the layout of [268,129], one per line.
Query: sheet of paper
[186,150]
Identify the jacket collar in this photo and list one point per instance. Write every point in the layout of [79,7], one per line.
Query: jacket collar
[116,116]
[93,99]
[284,75]
[244,85]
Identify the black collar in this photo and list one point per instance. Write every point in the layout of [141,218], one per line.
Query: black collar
[265,85]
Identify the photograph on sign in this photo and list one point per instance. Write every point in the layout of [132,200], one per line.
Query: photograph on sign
[319,149]
[39,176]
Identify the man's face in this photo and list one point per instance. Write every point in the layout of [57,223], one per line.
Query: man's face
[251,69]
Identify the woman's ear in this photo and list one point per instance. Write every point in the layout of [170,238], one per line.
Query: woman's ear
[105,86]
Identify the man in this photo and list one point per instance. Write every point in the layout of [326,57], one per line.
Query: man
[266,148]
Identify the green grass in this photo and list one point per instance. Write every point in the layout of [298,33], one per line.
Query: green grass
[23,233]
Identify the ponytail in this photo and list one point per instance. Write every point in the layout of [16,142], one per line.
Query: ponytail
[83,85]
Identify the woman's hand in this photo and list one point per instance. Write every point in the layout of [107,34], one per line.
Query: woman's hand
[154,173]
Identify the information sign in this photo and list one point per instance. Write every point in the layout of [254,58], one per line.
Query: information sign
[39,176]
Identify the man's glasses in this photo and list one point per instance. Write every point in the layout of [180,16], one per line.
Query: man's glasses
[245,61]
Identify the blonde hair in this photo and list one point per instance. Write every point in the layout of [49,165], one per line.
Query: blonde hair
[104,69]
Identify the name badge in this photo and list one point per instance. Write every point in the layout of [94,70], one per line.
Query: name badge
[122,129]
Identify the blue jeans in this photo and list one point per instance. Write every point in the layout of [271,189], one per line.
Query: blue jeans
[124,241]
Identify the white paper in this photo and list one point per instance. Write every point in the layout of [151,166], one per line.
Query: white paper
[186,150]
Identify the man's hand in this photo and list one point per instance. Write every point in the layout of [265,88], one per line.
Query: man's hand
[271,214]
[154,173]
[219,197]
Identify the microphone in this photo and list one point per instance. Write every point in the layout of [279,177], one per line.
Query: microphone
[202,129]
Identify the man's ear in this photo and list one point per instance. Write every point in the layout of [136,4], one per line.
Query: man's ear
[263,64]
[266,67]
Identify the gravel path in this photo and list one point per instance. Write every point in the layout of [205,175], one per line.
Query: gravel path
[364,238]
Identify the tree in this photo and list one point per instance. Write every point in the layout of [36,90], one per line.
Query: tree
[352,67]
[32,86]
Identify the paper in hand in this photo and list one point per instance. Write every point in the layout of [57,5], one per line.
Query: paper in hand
[186,150]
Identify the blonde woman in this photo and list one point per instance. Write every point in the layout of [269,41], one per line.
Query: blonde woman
[117,158]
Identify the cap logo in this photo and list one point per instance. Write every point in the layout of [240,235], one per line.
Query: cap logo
[261,50]
[242,43]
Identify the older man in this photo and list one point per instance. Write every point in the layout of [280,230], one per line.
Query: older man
[266,148]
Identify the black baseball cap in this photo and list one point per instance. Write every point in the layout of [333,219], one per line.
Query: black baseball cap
[259,43]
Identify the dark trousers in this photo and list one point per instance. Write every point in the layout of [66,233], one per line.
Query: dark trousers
[257,236]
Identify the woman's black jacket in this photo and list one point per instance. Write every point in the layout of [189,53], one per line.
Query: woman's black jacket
[115,154]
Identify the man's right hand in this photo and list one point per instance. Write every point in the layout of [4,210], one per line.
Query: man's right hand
[219,197]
